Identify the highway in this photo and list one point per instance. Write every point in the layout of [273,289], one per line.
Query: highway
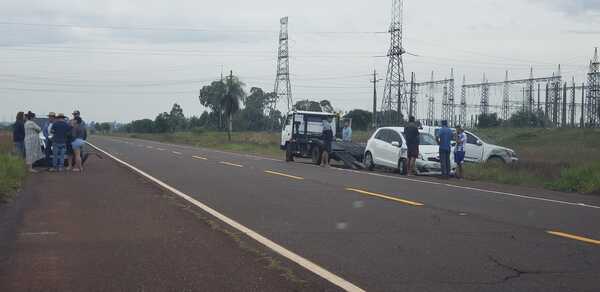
[383,232]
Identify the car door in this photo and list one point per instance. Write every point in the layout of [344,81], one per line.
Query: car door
[393,152]
[473,149]
[379,148]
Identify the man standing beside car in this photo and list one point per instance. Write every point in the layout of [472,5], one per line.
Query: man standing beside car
[46,130]
[411,133]
[459,151]
[444,138]
[60,129]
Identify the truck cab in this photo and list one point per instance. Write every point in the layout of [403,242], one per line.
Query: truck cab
[301,135]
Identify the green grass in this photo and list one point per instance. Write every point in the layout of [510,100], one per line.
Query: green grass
[260,143]
[558,159]
[12,169]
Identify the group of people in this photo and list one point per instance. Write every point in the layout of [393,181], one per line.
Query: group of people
[444,138]
[61,137]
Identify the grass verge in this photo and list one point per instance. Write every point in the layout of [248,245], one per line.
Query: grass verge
[12,169]
[260,143]
[557,159]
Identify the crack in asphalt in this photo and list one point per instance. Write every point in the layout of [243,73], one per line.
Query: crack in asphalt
[518,272]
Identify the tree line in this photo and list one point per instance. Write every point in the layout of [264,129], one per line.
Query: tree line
[229,107]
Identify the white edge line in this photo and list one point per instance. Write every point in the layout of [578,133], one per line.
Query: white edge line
[307,264]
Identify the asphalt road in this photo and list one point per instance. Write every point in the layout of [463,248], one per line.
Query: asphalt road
[383,232]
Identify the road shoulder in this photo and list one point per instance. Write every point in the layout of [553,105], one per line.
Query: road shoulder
[109,229]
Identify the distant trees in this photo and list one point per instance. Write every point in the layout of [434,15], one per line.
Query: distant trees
[488,120]
[523,119]
[361,119]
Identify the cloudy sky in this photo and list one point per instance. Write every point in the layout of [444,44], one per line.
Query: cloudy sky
[123,60]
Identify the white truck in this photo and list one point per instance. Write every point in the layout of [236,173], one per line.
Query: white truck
[478,151]
[301,136]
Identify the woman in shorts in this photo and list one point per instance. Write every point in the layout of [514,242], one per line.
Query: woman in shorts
[78,142]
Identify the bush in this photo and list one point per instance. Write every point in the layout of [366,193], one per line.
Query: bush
[198,131]
[583,179]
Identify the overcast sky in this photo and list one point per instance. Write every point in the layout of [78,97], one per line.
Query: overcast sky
[124,60]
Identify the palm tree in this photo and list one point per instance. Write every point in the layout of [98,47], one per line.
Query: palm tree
[230,102]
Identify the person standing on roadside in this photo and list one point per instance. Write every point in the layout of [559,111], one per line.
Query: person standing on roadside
[46,130]
[444,138]
[77,114]
[79,134]
[327,138]
[459,151]
[33,146]
[347,132]
[60,131]
[411,134]
[19,134]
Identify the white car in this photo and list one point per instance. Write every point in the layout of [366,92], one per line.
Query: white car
[387,148]
[478,151]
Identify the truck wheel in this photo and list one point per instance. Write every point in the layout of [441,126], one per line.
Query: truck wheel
[495,160]
[402,167]
[315,154]
[289,156]
[369,164]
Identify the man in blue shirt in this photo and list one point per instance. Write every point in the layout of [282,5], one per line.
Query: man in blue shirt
[60,130]
[444,139]
[347,132]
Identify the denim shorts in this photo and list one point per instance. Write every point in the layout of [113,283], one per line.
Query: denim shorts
[459,157]
[77,144]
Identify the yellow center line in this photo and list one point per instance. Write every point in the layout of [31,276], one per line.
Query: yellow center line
[176,153]
[575,237]
[230,164]
[283,174]
[387,197]
[199,157]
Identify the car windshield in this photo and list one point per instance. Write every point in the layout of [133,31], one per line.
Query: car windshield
[426,139]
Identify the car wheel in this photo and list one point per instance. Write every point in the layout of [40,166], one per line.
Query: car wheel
[369,163]
[402,167]
[289,156]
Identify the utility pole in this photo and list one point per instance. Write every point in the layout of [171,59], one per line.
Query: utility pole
[563,121]
[393,96]
[539,109]
[374,81]
[547,104]
[572,109]
[582,120]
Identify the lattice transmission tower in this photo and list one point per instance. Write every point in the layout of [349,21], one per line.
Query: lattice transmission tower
[431,103]
[283,88]
[394,95]
[593,95]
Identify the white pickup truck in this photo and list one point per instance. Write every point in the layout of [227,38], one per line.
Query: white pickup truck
[478,151]
[302,136]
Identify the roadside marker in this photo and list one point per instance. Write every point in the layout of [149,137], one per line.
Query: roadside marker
[303,262]
[198,157]
[283,174]
[387,197]
[575,237]
[231,164]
